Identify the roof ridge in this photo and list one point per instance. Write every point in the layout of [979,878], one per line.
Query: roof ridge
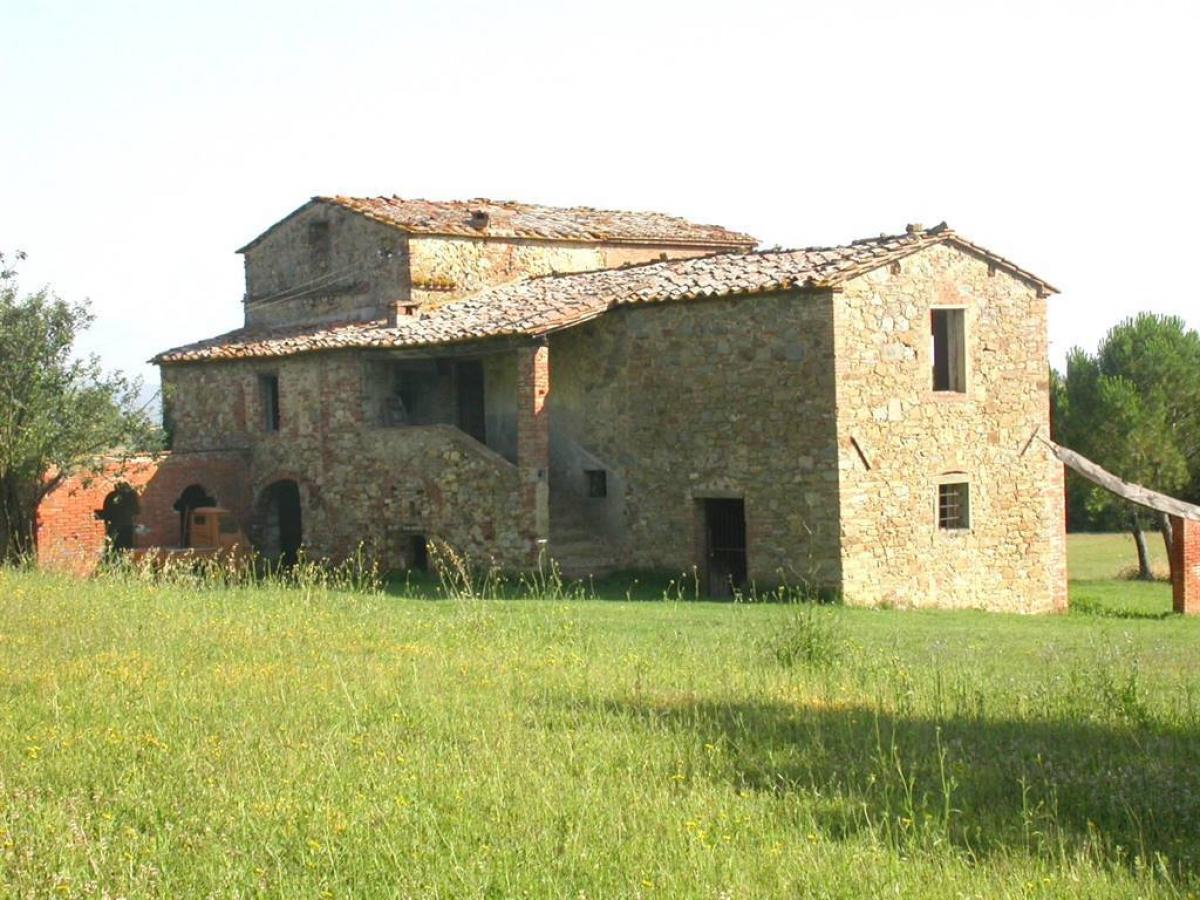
[942,230]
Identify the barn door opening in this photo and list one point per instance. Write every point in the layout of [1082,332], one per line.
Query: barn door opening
[725,545]
[282,533]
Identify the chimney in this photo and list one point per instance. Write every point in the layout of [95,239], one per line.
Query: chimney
[479,219]
[914,229]
[400,310]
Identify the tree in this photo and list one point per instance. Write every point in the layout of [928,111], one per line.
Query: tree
[58,412]
[1134,408]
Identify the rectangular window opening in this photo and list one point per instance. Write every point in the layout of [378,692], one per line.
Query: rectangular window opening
[269,389]
[954,506]
[597,482]
[404,393]
[471,408]
[948,329]
[319,243]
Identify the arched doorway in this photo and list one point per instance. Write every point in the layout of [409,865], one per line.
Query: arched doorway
[120,507]
[194,496]
[280,514]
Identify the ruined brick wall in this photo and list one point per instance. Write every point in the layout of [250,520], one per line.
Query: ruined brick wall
[291,278]
[727,398]
[1185,566]
[449,268]
[70,536]
[358,481]
[898,438]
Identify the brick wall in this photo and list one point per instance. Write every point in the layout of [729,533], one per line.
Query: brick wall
[71,537]
[533,445]
[1185,565]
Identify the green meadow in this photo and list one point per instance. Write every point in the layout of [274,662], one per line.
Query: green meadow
[182,739]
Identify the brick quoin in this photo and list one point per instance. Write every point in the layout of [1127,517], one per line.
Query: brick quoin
[1185,565]
[533,445]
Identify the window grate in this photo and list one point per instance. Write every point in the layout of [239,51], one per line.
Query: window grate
[954,506]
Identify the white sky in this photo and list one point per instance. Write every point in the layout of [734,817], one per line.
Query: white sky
[142,142]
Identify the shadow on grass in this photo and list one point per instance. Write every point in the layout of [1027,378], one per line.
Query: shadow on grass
[1089,606]
[1052,788]
[1121,599]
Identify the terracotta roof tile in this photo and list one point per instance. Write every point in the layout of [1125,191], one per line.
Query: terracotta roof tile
[539,305]
[509,219]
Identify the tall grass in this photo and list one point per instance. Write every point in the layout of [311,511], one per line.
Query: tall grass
[306,734]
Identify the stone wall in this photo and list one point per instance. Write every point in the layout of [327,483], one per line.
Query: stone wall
[898,438]
[326,263]
[705,399]
[449,268]
[816,409]
[358,481]
[289,280]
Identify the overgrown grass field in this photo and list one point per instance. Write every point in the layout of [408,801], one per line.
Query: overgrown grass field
[273,741]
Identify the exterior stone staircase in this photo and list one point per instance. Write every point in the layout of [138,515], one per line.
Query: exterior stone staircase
[576,546]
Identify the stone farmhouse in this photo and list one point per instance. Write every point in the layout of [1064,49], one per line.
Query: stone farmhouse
[619,391]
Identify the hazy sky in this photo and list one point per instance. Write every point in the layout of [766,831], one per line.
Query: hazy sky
[142,142]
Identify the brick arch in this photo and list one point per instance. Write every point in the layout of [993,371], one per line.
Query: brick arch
[119,513]
[277,524]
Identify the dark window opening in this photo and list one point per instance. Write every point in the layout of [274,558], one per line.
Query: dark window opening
[427,392]
[319,243]
[954,506]
[227,525]
[194,496]
[948,328]
[725,546]
[471,418]
[269,389]
[418,553]
[118,512]
[597,482]
[281,523]
[405,393]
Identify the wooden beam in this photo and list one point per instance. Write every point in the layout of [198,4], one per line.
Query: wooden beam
[1134,493]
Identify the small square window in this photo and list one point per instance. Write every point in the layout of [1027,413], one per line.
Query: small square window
[597,482]
[954,506]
